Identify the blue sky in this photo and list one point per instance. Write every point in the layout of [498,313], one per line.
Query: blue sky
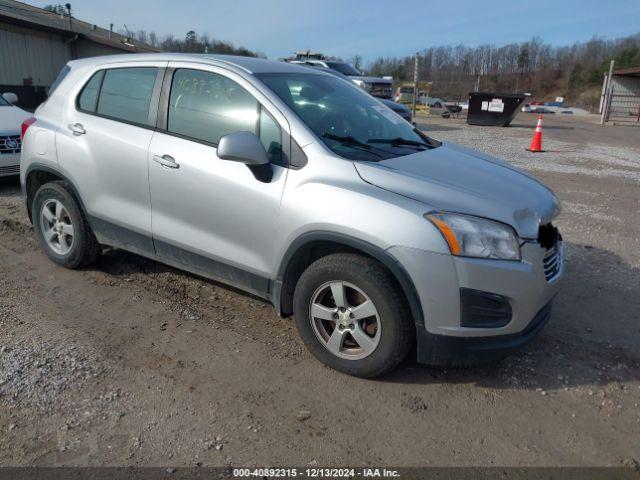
[369,28]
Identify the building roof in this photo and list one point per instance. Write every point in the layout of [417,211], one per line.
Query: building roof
[633,71]
[34,17]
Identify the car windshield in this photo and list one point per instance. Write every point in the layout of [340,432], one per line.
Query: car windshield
[3,102]
[344,68]
[349,121]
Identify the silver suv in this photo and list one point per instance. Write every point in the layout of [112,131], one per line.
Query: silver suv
[298,187]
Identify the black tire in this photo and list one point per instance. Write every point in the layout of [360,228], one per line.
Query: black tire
[85,249]
[397,327]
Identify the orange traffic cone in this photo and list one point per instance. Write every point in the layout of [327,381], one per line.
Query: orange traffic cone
[536,142]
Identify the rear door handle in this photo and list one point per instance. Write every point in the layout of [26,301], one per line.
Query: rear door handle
[166,161]
[77,129]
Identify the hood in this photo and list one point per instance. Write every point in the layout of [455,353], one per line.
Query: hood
[11,119]
[457,179]
[371,79]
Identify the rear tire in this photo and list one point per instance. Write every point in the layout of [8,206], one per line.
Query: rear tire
[369,302]
[62,228]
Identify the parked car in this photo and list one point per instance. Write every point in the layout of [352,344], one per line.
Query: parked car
[11,118]
[453,107]
[402,110]
[375,86]
[300,188]
[542,110]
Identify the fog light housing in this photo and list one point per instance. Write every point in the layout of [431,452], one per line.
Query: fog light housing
[480,309]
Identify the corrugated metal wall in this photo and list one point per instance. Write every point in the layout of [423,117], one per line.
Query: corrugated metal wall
[624,102]
[27,53]
[626,85]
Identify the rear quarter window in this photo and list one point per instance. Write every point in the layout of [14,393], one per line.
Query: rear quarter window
[88,98]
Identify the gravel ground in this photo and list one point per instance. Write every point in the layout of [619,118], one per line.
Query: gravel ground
[581,156]
[134,363]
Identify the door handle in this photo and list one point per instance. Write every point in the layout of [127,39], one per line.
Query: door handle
[166,161]
[77,129]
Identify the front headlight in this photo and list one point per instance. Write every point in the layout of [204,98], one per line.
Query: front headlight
[470,236]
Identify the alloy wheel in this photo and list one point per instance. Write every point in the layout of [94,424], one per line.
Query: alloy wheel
[345,320]
[57,227]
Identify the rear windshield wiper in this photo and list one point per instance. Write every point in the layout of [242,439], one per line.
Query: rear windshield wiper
[399,141]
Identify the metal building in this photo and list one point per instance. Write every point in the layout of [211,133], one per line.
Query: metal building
[621,97]
[35,44]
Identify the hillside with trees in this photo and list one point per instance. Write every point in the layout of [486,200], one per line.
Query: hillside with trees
[575,71]
[191,43]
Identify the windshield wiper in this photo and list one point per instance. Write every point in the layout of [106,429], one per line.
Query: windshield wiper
[399,141]
[352,142]
[347,140]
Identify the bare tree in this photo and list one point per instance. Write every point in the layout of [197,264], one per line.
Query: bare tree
[533,66]
[356,61]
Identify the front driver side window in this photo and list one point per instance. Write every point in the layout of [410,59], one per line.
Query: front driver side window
[206,106]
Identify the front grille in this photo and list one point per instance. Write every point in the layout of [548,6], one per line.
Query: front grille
[550,239]
[12,170]
[552,261]
[9,144]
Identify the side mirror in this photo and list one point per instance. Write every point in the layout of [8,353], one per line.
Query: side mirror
[243,147]
[10,97]
[246,147]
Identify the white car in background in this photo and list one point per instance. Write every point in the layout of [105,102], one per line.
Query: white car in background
[11,118]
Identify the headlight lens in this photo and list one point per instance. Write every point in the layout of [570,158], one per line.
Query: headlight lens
[470,236]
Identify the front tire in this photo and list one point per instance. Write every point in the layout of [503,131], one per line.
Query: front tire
[62,228]
[352,316]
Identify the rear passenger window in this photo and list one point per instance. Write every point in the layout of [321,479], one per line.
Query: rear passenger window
[126,93]
[207,106]
[89,96]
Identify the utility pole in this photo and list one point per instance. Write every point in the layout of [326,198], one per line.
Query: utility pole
[415,81]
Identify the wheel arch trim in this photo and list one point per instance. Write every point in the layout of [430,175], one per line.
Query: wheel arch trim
[378,253]
[48,169]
